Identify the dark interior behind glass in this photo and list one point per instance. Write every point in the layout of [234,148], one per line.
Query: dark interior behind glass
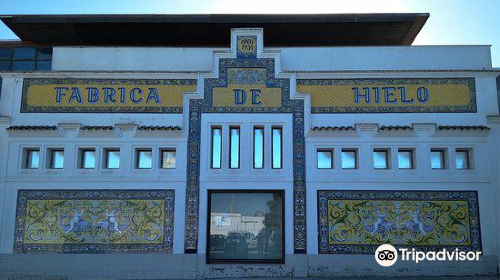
[245,226]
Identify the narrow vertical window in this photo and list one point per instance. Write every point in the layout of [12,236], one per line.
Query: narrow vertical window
[324,158]
[216,147]
[380,158]
[144,159]
[87,158]
[463,159]
[258,147]
[405,159]
[32,158]
[56,158]
[234,147]
[437,158]
[276,147]
[168,158]
[349,159]
[112,158]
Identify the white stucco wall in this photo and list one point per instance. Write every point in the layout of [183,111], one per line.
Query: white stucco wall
[294,59]
[186,63]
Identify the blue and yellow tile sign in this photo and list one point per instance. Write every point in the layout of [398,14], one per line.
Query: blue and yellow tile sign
[246,87]
[433,95]
[104,95]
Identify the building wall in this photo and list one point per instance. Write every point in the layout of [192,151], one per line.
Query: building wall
[294,59]
[422,133]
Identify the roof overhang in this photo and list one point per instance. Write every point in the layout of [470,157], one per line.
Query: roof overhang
[213,30]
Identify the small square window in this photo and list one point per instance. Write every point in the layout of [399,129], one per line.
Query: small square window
[43,65]
[56,158]
[5,53]
[463,159]
[87,158]
[349,159]
[24,53]
[324,158]
[32,158]
[381,158]
[144,158]
[438,159]
[168,159]
[405,159]
[4,65]
[112,158]
[44,53]
[23,65]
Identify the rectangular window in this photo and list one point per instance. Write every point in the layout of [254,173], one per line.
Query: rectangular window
[245,226]
[4,65]
[324,158]
[349,159]
[234,147]
[32,158]
[44,53]
[24,58]
[168,158]
[144,158]
[405,159]
[276,147]
[5,53]
[381,158]
[463,158]
[56,158]
[87,158]
[258,147]
[43,65]
[112,158]
[437,158]
[22,65]
[24,53]
[216,147]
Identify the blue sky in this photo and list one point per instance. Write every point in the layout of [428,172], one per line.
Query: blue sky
[452,22]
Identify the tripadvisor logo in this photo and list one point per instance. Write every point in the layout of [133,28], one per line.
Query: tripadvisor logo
[387,255]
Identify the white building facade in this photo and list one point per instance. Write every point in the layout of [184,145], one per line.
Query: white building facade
[248,160]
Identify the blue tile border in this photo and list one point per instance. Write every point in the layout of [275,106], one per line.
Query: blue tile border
[201,106]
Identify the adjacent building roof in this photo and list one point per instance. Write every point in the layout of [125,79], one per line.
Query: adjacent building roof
[213,30]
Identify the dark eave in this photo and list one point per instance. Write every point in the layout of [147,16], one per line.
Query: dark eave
[205,30]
